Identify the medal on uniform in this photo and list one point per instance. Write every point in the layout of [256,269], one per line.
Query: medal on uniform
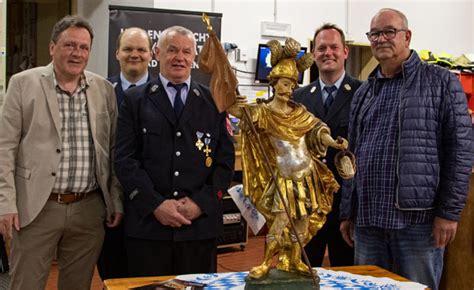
[199,143]
[208,150]
[208,161]
[347,87]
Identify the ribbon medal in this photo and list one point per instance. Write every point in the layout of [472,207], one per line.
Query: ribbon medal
[208,150]
[199,143]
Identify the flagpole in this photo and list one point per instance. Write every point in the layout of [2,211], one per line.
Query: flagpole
[267,163]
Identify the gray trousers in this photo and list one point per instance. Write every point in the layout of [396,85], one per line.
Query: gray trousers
[73,231]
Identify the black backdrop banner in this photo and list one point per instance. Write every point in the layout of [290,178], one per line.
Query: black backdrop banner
[154,21]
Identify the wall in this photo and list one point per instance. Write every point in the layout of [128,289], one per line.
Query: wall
[97,13]
[436,25]
[3,35]
[49,16]
[472,25]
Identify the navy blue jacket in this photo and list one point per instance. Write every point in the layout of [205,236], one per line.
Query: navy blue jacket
[435,141]
[337,119]
[157,159]
[117,83]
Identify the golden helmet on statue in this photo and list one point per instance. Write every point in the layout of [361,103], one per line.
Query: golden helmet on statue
[284,60]
[285,68]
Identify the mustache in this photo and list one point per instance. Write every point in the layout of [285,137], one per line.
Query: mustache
[384,45]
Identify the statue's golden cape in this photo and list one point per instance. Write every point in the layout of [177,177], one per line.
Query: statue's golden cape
[312,194]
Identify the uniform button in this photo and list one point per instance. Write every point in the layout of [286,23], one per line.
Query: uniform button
[178,153]
[324,161]
[58,150]
[175,194]
[178,134]
[176,173]
[53,173]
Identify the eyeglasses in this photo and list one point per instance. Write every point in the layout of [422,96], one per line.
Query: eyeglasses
[387,34]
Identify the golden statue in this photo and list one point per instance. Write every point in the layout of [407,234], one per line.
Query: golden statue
[294,141]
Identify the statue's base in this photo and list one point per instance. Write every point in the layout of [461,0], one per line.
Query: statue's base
[277,279]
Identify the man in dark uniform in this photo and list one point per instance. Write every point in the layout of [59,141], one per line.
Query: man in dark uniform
[133,54]
[175,160]
[329,98]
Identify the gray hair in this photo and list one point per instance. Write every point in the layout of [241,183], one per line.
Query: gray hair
[175,29]
[398,12]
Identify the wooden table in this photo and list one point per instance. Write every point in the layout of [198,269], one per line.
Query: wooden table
[126,283]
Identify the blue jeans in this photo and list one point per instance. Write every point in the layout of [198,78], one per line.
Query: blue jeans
[408,252]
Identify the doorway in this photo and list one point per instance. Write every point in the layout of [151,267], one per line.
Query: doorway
[29,26]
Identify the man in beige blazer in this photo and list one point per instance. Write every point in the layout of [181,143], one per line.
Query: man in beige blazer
[56,144]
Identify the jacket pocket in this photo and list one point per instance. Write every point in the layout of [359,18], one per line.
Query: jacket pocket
[151,138]
[22,172]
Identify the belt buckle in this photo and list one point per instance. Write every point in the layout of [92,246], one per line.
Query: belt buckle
[59,200]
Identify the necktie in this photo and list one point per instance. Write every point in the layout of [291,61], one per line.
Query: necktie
[131,86]
[330,90]
[178,102]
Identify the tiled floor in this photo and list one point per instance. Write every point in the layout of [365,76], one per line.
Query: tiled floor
[4,281]
[229,260]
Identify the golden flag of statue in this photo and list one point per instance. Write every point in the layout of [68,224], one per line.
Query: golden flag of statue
[213,61]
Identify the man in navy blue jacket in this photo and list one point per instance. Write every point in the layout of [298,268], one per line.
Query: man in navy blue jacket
[412,135]
[330,53]
[133,54]
[175,160]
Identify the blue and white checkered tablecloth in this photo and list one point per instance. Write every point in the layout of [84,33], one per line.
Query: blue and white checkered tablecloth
[329,280]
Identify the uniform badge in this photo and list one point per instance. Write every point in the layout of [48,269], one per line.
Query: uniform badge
[313,89]
[208,150]
[347,87]
[154,88]
[196,91]
[199,143]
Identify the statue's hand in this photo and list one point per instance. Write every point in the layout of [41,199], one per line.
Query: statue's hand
[341,143]
[236,108]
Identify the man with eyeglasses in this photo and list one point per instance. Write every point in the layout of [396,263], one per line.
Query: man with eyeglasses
[411,133]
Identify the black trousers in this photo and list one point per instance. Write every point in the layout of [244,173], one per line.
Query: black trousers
[112,261]
[4,267]
[340,253]
[159,258]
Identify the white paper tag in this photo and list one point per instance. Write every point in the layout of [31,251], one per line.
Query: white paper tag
[255,220]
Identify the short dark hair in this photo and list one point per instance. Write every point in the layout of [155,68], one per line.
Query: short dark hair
[119,38]
[70,21]
[327,26]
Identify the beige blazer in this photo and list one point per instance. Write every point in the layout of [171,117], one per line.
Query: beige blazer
[30,139]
